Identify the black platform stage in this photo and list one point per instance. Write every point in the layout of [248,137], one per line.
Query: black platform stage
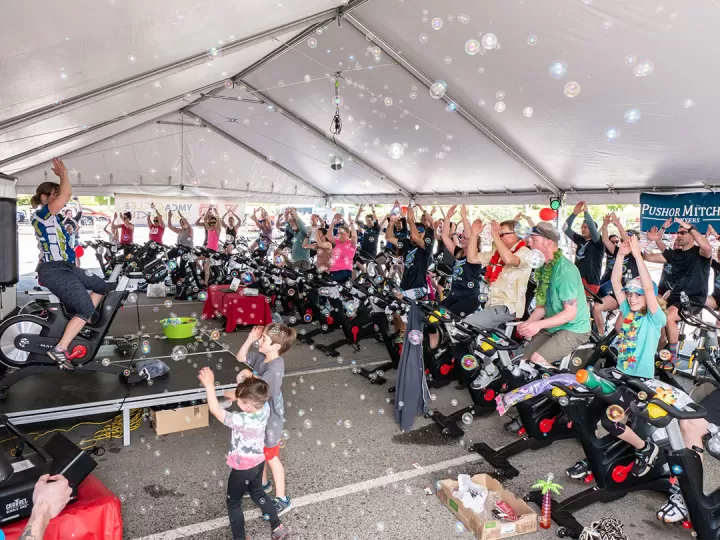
[59,395]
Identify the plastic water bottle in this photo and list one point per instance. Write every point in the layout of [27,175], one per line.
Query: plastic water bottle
[713,443]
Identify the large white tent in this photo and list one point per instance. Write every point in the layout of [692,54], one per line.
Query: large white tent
[599,99]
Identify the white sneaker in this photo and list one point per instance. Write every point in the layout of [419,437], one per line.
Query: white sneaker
[673,511]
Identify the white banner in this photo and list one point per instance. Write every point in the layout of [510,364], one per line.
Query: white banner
[192,209]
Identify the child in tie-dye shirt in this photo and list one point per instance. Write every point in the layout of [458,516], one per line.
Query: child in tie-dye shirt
[246,457]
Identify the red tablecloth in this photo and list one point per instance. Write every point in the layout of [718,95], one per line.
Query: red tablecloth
[239,310]
[96,515]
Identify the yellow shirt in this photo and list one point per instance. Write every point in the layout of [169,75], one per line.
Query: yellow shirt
[510,287]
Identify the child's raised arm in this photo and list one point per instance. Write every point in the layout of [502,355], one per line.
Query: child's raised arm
[207,378]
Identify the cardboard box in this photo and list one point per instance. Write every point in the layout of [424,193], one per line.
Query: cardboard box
[182,419]
[491,529]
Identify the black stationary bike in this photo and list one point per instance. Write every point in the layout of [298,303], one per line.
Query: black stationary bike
[26,338]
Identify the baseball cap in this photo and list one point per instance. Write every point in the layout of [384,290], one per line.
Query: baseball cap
[635,286]
[545,230]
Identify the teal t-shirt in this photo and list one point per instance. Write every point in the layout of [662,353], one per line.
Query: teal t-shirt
[566,284]
[638,341]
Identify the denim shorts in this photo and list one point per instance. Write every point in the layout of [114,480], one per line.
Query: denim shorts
[71,284]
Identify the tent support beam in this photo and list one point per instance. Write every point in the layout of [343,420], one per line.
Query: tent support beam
[402,190]
[254,152]
[49,111]
[478,124]
[211,88]
[118,134]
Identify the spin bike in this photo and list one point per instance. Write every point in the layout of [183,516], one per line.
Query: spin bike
[26,338]
[477,343]
[609,458]
[686,465]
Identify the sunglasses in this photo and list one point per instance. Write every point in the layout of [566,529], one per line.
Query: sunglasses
[505,234]
[682,232]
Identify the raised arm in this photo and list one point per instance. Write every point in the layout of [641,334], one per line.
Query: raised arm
[647,282]
[65,191]
[464,217]
[594,233]
[353,232]
[446,239]
[472,255]
[700,239]
[617,272]
[606,234]
[621,230]
[571,219]
[506,254]
[390,230]
[174,229]
[415,235]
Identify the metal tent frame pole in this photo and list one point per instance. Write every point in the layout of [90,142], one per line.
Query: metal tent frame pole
[255,153]
[402,190]
[49,111]
[326,16]
[415,71]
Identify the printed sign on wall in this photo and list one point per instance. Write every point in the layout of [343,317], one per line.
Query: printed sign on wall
[699,209]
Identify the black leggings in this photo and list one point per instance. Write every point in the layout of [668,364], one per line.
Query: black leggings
[461,304]
[240,482]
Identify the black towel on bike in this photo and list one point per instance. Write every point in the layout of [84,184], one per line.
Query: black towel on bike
[411,391]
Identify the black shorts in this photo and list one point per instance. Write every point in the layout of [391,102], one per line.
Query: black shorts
[675,301]
[712,405]
[70,284]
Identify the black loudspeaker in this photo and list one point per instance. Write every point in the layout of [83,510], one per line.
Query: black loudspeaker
[57,456]
[9,267]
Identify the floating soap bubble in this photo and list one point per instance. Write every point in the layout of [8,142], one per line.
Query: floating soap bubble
[438,89]
[436,23]
[168,303]
[202,296]
[572,89]
[632,116]
[106,362]
[451,107]
[338,101]
[463,18]
[630,60]
[467,418]
[415,337]
[307,424]
[454,402]
[611,134]
[469,362]
[489,41]
[500,95]
[424,38]
[688,103]
[537,259]
[521,229]
[312,42]
[388,101]
[179,352]
[448,60]
[500,106]
[459,527]
[643,69]
[532,40]
[558,70]
[528,111]
[132,297]
[396,150]
[347,424]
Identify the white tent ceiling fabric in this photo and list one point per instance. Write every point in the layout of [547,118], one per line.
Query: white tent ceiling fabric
[598,99]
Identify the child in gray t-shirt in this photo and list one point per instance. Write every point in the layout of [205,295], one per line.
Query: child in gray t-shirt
[268,365]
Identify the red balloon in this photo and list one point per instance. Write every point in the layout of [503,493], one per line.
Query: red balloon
[548,214]
[79,251]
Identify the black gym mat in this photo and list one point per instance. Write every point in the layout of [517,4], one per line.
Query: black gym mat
[62,389]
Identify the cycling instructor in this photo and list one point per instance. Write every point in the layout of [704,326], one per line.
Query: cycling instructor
[57,270]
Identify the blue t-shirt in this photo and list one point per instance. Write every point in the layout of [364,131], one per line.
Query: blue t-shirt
[51,236]
[638,341]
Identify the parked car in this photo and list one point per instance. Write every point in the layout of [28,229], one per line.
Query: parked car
[21,216]
[91,216]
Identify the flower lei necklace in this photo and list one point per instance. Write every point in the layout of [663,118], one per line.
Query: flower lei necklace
[542,278]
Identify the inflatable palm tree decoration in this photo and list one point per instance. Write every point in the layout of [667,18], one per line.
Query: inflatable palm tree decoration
[547,488]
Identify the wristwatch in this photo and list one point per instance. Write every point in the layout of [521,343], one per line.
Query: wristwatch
[692,228]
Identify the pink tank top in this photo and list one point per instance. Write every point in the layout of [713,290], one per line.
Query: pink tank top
[213,240]
[156,234]
[342,256]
